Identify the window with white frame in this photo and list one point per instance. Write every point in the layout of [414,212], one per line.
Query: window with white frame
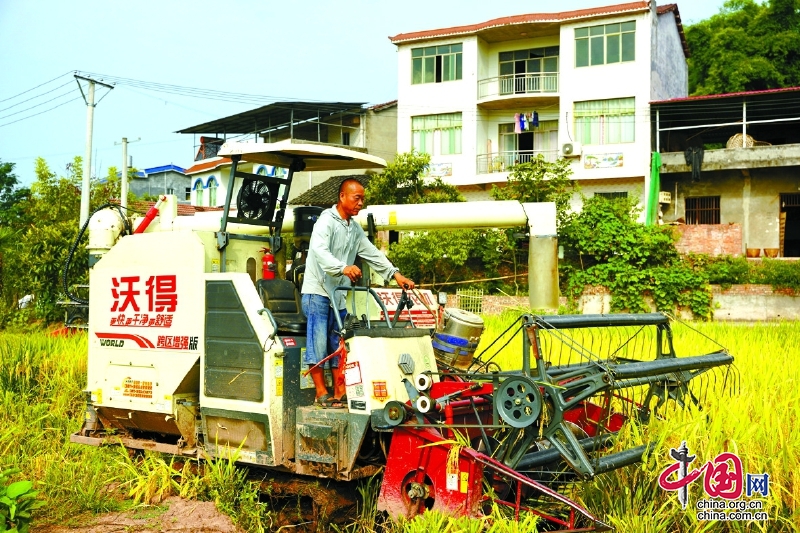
[170,190]
[435,64]
[187,194]
[198,193]
[436,134]
[605,121]
[212,191]
[607,43]
[532,70]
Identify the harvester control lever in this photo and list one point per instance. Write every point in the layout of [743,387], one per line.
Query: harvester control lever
[406,302]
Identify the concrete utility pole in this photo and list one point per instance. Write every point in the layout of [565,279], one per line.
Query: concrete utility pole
[87,161]
[124,175]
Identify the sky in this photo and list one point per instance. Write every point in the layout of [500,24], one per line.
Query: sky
[276,50]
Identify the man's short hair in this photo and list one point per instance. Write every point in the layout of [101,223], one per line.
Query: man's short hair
[346,181]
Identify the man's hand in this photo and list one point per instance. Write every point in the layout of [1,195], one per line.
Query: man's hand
[352,272]
[403,281]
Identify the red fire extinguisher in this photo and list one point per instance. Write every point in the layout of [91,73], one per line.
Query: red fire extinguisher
[268,264]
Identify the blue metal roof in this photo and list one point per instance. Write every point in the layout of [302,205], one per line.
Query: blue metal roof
[165,168]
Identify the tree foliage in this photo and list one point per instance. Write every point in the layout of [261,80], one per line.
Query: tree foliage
[12,197]
[747,46]
[606,246]
[34,246]
[404,182]
[437,257]
[540,181]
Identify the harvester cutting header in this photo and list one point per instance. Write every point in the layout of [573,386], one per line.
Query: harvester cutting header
[196,346]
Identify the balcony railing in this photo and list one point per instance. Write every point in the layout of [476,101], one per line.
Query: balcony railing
[518,84]
[502,161]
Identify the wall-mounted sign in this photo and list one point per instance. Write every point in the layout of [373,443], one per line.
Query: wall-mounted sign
[602,160]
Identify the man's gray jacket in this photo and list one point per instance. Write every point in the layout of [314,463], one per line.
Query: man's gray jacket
[335,245]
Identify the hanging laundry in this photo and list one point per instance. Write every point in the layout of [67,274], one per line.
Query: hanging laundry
[535,120]
[694,158]
[523,124]
[517,123]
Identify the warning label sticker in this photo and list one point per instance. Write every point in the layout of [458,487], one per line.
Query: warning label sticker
[137,389]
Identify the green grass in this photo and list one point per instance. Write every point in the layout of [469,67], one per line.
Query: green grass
[41,404]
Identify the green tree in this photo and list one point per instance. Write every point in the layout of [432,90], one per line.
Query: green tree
[110,189]
[540,181]
[12,197]
[535,181]
[606,246]
[34,264]
[403,181]
[433,256]
[746,46]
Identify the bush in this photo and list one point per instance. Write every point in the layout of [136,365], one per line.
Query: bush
[606,246]
[779,274]
[724,270]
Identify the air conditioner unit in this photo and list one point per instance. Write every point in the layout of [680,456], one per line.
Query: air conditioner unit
[665,197]
[571,149]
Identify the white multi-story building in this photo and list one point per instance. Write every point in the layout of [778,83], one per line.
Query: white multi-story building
[581,81]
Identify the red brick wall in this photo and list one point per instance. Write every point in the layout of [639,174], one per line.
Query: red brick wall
[711,239]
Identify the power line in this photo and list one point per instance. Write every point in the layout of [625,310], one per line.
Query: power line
[195,92]
[37,105]
[34,88]
[39,113]
[37,96]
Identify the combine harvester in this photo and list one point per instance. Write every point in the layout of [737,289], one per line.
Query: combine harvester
[194,351]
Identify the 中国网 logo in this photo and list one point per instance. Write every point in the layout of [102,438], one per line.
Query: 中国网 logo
[724,482]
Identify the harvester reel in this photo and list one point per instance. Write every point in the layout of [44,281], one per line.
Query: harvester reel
[519,401]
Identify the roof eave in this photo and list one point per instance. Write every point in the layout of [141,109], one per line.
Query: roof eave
[531,18]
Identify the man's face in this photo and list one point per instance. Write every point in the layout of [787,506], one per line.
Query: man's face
[351,200]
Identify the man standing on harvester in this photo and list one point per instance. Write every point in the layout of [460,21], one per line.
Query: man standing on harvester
[335,242]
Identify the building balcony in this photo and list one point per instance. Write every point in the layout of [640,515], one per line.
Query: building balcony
[514,89]
[502,161]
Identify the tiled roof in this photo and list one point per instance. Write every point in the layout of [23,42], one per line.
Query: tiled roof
[327,193]
[208,165]
[727,95]
[520,19]
[385,105]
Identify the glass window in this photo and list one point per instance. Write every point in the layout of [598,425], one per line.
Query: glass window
[582,52]
[435,64]
[212,192]
[608,43]
[605,121]
[447,126]
[187,194]
[198,193]
[529,71]
[612,48]
[598,52]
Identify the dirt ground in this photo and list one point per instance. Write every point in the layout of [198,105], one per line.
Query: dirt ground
[172,515]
